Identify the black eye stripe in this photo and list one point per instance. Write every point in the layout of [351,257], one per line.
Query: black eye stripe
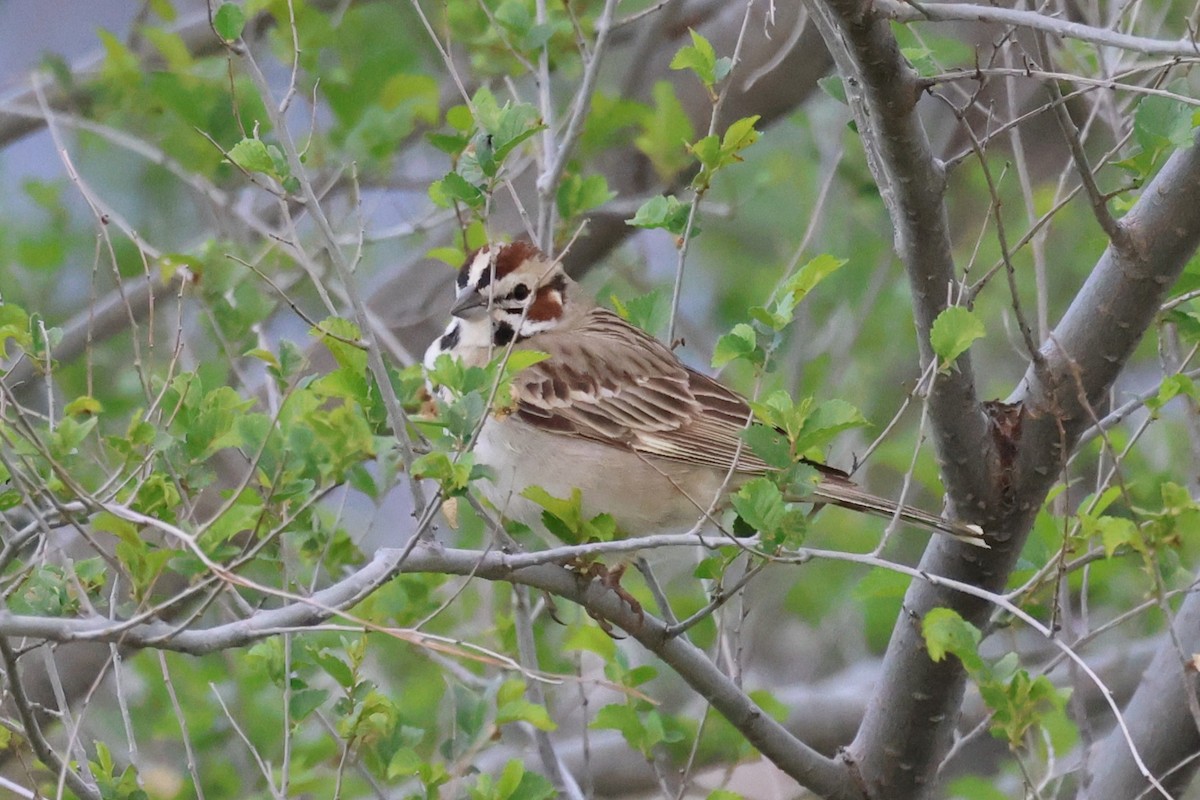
[464,272]
[450,339]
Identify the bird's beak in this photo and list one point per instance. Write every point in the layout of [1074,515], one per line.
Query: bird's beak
[467,303]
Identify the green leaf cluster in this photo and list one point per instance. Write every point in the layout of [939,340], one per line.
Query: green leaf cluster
[486,133]
[1019,703]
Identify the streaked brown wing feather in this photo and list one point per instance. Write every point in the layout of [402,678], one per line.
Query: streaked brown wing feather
[611,383]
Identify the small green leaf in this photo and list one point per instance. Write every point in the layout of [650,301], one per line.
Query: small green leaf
[252,156]
[330,661]
[665,132]
[522,710]
[741,342]
[523,359]
[564,517]
[455,187]
[832,86]
[577,195]
[946,632]
[84,406]
[229,21]
[825,421]
[769,444]
[760,504]
[953,332]
[739,135]
[514,16]
[1114,532]
[648,311]
[305,701]
[700,58]
[452,256]
[808,276]
[591,639]
[1162,122]
[663,212]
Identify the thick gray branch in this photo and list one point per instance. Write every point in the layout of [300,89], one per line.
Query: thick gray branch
[823,775]
[911,715]
[913,182]
[1105,322]
[1160,721]
[1094,339]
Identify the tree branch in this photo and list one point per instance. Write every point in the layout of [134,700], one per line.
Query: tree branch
[910,718]
[1160,721]
[821,774]
[913,183]
[1020,18]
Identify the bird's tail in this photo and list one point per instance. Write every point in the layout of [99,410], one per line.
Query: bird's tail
[838,491]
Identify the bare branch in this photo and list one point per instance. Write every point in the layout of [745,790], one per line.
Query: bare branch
[970,12]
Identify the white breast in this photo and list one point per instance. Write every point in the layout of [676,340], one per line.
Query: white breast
[645,496]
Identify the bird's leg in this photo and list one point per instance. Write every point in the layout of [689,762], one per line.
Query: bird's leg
[610,579]
[552,608]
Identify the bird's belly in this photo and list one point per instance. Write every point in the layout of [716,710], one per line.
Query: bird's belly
[645,496]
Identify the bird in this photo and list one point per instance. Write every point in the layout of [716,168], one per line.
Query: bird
[612,412]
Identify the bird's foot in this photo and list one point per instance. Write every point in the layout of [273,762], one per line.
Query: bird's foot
[610,579]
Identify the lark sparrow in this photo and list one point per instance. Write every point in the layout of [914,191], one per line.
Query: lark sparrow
[612,412]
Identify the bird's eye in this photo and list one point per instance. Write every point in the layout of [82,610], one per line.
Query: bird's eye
[521,292]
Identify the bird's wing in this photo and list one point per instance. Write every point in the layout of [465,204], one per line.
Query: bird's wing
[609,382]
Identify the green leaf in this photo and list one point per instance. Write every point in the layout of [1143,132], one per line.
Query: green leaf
[739,135]
[760,504]
[741,342]
[1115,532]
[946,632]
[577,195]
[333,665]
[523,359]
[826,421]
[716,153]
[243,515]
[453,476]
[252,156]
[212,427]
[591,639]
[455,188]
[769,444]
[700,58]
[515,16]
[522,710]
[648,311]
[808,276]
[832,86]
[642,736]
[565,519]
[229,21]
[953,332]
[666,212]
[1162,122]
[665,132]
[974,787]
[69,435]
[305,701]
